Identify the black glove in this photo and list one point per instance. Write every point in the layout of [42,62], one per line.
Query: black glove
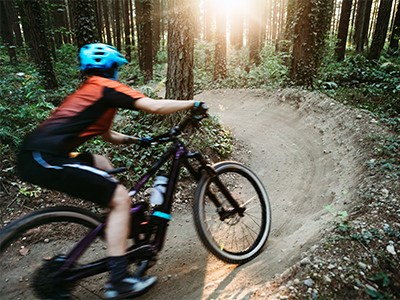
[144,142]
[199,109]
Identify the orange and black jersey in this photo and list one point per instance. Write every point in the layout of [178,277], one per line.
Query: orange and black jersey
[84,114]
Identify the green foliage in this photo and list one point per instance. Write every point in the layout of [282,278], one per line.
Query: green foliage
[269,73]
[371,85]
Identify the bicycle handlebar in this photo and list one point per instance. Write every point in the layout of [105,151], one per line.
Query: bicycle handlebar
[172,133]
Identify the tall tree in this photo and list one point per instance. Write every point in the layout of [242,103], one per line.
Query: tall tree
[34,18]
[359,24]
[290,24]
[99,18]
[395,36]
[254,30]
[127,30]
[144,14]
[381,28]
[6,30]
[15,24]
[117,21]
[156,26]
[309,40]
[343,29]
[180,50]
[220,44]
[84,23]
[107,21]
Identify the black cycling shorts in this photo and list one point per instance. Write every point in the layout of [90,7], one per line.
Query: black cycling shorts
[75,176]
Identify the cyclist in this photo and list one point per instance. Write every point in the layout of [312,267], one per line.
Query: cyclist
[46,157]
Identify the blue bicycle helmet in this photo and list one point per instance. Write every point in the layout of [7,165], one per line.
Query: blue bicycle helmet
[101,57]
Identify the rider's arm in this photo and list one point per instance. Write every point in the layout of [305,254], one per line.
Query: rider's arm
[162,107]
[118,138]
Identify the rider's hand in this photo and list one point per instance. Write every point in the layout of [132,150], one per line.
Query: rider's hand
[199,109]
[144,142]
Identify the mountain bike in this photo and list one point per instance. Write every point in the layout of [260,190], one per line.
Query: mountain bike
[51,253]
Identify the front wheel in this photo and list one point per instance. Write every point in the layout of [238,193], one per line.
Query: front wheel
[234,236]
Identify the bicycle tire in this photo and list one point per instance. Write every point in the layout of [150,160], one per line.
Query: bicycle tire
[29,245]
[253,227]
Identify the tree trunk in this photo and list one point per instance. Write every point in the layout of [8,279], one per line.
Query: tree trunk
[395,36]
[139,30]
[146,39]
[343,29]
[58,22]
[84,23]
[132,22]
[358,41]
[71,9]
[99,19]
[39,40]
[117,21]
[156,26]
[107,21]
[180,50]
[6,30]
[274,17]
[15,25]
[381,28]
[290,24]
[127,30]
[220,45]
[364,34]
[254,31]
[309,40]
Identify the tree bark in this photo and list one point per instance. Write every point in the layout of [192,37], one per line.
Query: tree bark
[145,38]
[395,36]
[40,48]
[290,24]
[381,28]
[84,23]
[309,40]
[6,30]
[220,45]
[343,29]
[180,50]
[359,24]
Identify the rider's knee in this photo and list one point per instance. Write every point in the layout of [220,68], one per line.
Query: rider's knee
[120,198]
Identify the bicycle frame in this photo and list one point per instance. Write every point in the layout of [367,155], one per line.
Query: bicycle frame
[143,249]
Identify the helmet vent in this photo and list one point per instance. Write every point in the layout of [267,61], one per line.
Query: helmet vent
[99,53]
[97,59]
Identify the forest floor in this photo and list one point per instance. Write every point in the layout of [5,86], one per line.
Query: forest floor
[310,152]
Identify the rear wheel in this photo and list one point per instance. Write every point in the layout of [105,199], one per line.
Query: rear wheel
[32,249]
[235,238]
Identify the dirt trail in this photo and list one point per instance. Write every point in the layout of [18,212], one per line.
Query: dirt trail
[304,147]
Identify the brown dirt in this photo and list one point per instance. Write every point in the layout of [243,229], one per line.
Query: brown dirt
[307,150]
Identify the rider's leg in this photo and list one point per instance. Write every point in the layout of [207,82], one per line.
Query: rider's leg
[118,222]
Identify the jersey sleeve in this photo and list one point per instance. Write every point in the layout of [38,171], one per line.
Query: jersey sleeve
[119,95]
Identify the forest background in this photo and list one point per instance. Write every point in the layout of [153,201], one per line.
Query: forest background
[347,49]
